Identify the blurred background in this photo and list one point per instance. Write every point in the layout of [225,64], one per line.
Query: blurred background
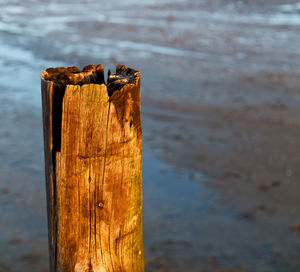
[221,125]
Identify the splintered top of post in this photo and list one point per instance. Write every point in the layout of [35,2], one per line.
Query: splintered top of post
[92,74]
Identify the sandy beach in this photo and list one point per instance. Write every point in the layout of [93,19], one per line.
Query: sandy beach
[220,115]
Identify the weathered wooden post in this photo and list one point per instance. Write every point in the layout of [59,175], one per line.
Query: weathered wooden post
[93,158]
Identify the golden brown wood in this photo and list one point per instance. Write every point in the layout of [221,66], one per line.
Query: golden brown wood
[93,157]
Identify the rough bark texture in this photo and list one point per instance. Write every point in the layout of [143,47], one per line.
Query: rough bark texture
[93,156]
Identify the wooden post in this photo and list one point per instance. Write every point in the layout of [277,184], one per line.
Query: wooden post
[93,158]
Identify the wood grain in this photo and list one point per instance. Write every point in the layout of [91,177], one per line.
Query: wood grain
[93,159]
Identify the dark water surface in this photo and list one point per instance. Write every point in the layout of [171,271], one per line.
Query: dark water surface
[201,62]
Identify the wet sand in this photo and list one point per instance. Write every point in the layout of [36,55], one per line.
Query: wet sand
[221,125]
